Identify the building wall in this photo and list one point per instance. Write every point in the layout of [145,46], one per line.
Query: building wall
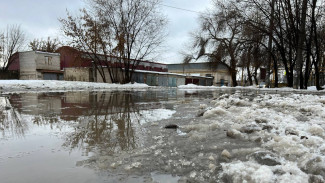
[27,66]
[47,61]
[221,74]
[138,77]
[162,80]
[71,57]
[14,65]
[180,81]
[117,73]
[32,63]
[77,74]
[221,78]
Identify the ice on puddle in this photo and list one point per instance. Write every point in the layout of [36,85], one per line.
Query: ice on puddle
[193,174]
[232,133]
[211,158]
[179,132]
[185,163]
[250,171]
[195,136]
[287,146]
[201,127]
[316,130]
[136,164]
[203,106]
[133,165]
[225,153]
[212,167]
[214,112]
[113,165]
[238,172]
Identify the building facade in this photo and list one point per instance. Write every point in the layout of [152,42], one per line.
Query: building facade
[71,65]
[78,66]
[220,73]
[36,65]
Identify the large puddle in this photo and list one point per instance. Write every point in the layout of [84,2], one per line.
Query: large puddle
[78,136]
[120,136]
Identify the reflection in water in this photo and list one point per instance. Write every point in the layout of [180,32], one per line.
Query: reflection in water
[10,120]
[100,120]
[103,119]
[106,119]
[109,124]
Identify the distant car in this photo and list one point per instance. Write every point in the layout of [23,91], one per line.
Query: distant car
[262,85]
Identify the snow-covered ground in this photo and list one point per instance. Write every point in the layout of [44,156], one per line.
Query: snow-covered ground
[286,89]
[54,85]
[239,138]
[290,130]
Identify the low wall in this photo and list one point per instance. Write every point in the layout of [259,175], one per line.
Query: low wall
[9,75]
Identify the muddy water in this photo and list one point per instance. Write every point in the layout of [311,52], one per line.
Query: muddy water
[105,136]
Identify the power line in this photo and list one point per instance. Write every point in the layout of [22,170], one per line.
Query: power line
[183,9]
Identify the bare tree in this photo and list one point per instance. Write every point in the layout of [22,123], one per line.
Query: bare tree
[288,32]
[117,33]
[12,40]
[49,45]
[219,37]
[293,30]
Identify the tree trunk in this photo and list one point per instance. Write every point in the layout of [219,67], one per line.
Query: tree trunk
[249,76]
[233,66]
[248,66]
[268,66]
[255,75]
[300,46]
[276,78]
[234,77]
[290,78]
[308,66]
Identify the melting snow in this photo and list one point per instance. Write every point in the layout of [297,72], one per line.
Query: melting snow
[54,85]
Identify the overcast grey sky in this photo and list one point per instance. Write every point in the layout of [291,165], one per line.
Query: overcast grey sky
[39,19]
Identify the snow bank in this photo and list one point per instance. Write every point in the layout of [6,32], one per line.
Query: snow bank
[283,89]
[291,126]
[253,172]
[54,85]
[193,86]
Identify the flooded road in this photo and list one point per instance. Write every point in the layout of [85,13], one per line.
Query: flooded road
[73,136]
[120,136]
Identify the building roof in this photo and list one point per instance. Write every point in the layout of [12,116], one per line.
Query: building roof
[41,52]
[196,66]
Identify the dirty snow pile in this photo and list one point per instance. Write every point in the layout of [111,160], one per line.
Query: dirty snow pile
[290,130]
[54,85]
[241,137]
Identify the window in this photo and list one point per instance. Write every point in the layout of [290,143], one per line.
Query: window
[48,60]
